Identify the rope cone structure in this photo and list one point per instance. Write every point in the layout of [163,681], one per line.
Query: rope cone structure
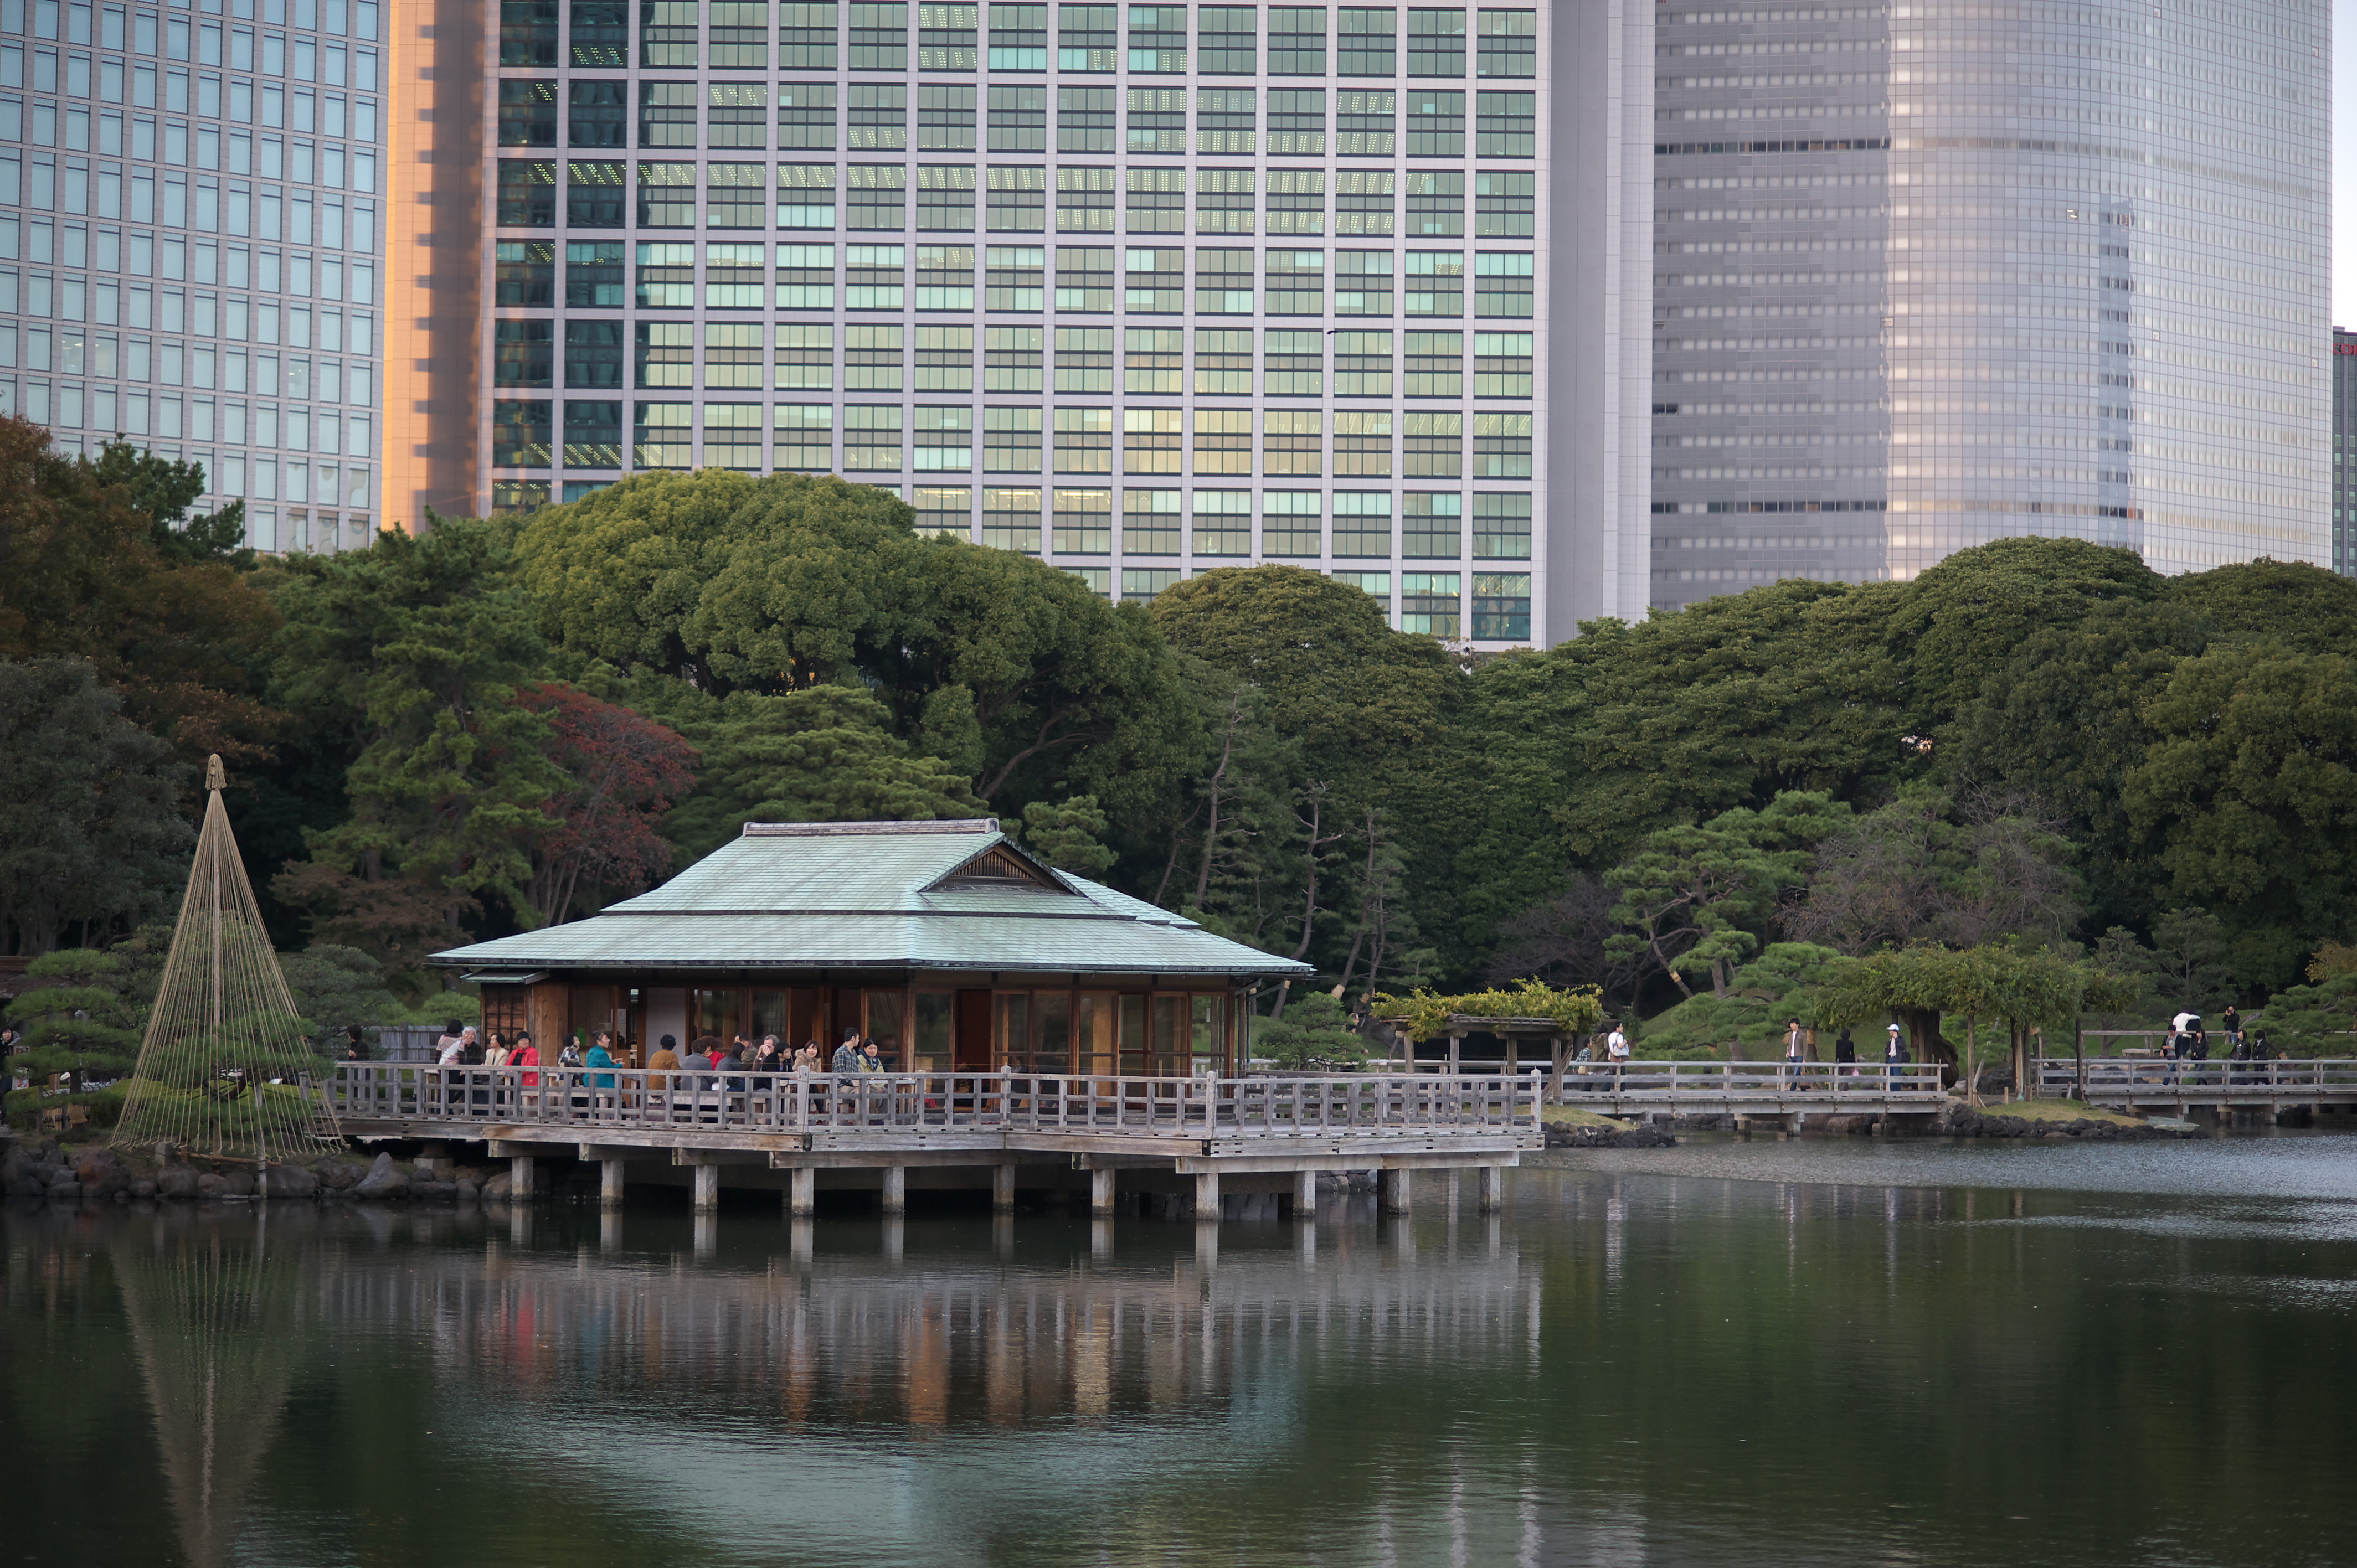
[223,1070]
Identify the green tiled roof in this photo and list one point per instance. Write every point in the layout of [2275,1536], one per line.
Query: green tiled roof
[879,896]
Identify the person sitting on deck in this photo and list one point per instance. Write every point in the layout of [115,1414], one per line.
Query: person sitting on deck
[846,1055]
[806,1060]
[732,1060]
[452,1049]
[872,1060]
[665,1059]
[699,1058]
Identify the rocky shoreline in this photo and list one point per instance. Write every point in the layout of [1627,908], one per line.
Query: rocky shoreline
[70,1174]
[1956,1121]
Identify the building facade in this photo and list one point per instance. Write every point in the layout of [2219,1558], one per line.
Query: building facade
[1139,289]
[191,240]
[1928,276]
[2345,450]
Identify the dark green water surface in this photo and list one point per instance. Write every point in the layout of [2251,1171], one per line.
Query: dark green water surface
[1721,1354]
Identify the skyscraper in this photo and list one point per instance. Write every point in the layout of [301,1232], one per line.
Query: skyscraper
[1140,289]
[2344,451]
[1931,276]
[189,245]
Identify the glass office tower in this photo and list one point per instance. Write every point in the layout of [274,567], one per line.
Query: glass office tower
[2345,450]
[1931,276]
[190,237]
[1139,289]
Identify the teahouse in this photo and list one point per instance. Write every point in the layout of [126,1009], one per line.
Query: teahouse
[945,942]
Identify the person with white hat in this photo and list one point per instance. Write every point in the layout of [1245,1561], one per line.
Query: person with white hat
[1894,1049]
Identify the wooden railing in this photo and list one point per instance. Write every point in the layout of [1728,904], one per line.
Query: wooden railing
[2164,1077]
[1659,1083]
[1357,1105]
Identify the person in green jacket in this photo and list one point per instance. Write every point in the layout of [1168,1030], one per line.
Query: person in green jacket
[601,1055]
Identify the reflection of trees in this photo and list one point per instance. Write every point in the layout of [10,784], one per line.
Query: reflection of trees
[213,1313]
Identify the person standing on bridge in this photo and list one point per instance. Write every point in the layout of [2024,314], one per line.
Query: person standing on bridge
[1616,1052]
[1844,1055]
[1894,1051]
[1794,1043]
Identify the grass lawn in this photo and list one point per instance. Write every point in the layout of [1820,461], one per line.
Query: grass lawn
[2059,1110]
[1573,1116]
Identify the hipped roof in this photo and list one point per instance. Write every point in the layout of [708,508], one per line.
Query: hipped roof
[926,895]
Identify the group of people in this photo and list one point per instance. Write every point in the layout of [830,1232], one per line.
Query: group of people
[2189,1043]
[766,1058]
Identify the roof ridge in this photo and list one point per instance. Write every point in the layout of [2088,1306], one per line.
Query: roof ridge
[862,830]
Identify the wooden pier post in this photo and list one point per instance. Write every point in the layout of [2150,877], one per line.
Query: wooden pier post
[609,1183]
[1394,1190]
[1453,1189]
[1101,1194]
[801,1194]
[1304,1194]
[1493,1188]
[707,1192]
[520,1177]
[895,1189]
[1002,1190]
[1207,1195]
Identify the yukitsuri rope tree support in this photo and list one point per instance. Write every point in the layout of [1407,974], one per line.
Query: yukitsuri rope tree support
[223,1067]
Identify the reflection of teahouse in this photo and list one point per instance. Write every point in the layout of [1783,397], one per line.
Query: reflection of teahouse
[945,943]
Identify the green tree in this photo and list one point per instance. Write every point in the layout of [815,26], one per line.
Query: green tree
[336,986]
[1069,835]
[2305,608]
[1749,1014]
[82,1020]
[164,489]
[2007,983]
[1921,869]
[90,834]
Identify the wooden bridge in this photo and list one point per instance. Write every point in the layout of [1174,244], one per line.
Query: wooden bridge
[1766,1091]
[2157,1082]
[873,1130]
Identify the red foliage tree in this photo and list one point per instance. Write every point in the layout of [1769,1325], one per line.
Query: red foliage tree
[626,772]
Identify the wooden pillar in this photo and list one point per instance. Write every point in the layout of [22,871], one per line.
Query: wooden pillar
[1455,1050]
[895,1189]
[1493,1188]
[609,1187]
[1453,1188]
[706,1190]
[802,1195]
[1395,1191]
[1207,1195]
[1304,1194]
[1002,1190]
[1101,1194]
[521,1171]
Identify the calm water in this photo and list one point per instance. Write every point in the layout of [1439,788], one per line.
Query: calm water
[1797,1353]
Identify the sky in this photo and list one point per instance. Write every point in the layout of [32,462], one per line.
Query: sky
[2344,164]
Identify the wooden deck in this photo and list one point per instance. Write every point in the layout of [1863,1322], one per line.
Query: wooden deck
[2156,1083]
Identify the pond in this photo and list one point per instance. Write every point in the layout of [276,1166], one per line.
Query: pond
[1767,1353]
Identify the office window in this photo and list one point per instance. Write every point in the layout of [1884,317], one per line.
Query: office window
[1149,521]
[1019,118]
[601,41]
[1152,361]
[1222,440]
[1436,123]
[1083,440]
[1502,283]
[944,511]
[1223,518]
[1018,201]
[945,198]
[1154,281]
[1435,43]
[1510,43]
[1292,364]
[1502,450]
[1013,357]
[594,275]
[523,354]
[667,33]
[1363,282]
[879,116]
[1296,126]
[1363,124]
[1223,282]
[1140,586]
[1016,278]
[667,114]
[1433,444]
[527,113]
[806,116]
[1158,39]
[941,439]
[1431,525]
[666,278]
[665,354]
[1435,202]
[1502,524]
[1436,364]
[1363,443]
[593,434]
[1501,606]
[1505,202]
[1363,524]
[1223,361]
[1152,440]
[1087,40]
[1297,40]
[1428,603]
[873,277]
[1084,277]
[1083,522]
[1292,524]
[805,196]
[1506,124]
[944,359]
[805,357]
[594,355]
[945,119]
[1226,120]
[1084,119]
[872,357]
[736,115]
[510,497]
[879,197]
[1363,200]
[879,37]
[1158,201]
[801,437]
[1018,37]
[806,38]
[598,113]
[944,277]
[521,435]
[1224,200]
[871,438]
[732,436]
[1366,42]
[1010,518]
[527,194]
[1226,40]
[1084,198]
[735,196]
[1297,201]
[946,37]
[1084,358]
[663,435]
[1434,283]
[666,195]
[527,36]
[1501,364]
[740,35]
[1158,119]
[1362,364]
[524,273]
[1292,442]
[736,277]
